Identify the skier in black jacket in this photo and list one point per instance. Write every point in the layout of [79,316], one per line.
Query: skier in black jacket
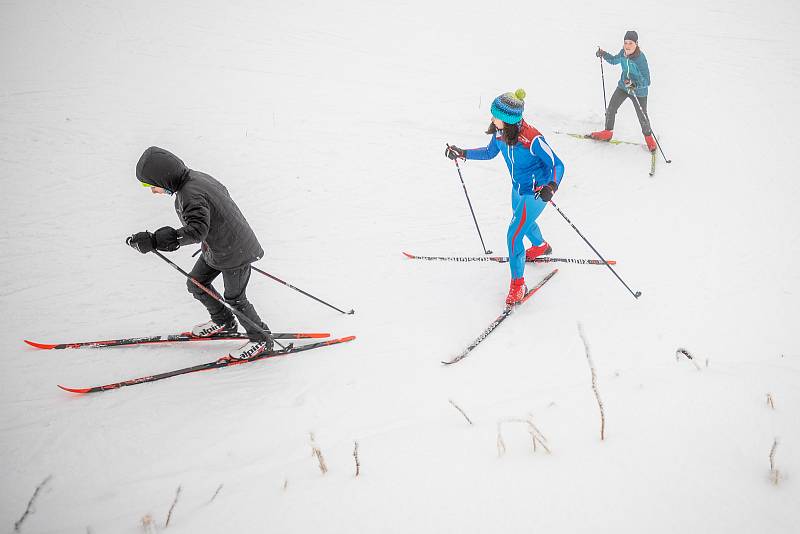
[209,217]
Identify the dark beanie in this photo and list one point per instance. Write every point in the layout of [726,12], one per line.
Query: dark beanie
[631,35]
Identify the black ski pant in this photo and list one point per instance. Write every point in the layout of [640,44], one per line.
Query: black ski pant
[235,281]
[617,99]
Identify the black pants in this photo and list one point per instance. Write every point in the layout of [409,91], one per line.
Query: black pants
[617,99]
[235,282]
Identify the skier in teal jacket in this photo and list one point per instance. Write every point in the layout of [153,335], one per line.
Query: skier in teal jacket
[633,83]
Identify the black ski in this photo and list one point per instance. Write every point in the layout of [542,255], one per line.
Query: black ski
[217,364]
[168,338]
[504,259]
[500,318]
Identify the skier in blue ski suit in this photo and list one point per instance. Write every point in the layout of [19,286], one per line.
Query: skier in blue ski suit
[536,173]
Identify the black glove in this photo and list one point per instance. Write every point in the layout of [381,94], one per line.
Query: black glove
[166,238]
[546,193]
[629,84]
[144,242]
[454,152]
[599,52]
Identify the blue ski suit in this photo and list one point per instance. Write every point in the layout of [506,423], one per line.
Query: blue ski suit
[532,165]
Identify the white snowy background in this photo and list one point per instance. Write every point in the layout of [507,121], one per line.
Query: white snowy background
[327,122]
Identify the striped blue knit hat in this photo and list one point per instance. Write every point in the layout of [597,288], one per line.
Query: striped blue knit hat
[508,107]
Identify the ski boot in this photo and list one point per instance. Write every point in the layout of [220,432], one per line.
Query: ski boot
[602,135]
[534,252]
[251,349]
[212,328]
[516,291]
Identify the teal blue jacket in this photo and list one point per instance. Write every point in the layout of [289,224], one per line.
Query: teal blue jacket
[634,68]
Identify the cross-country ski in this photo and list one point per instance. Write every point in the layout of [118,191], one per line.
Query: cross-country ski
[500,318]
[167,338]
[504,259]
[224,361]
[608,141]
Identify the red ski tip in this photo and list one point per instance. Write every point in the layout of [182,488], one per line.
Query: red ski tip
[75,390]
[45,346]
[342,340]
[407,255]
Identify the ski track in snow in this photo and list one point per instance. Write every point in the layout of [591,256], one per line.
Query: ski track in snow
[328,124]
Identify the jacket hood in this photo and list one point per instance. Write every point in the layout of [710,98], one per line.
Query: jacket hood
[161,168]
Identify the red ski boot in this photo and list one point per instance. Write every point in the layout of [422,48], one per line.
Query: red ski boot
[651,143]
[534,252]
[602,135]
[516,291]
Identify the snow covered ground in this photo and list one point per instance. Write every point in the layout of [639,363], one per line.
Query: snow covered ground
[327,122]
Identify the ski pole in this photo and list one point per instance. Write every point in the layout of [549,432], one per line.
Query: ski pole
[470,205]
[644,113]
[635,295]
[351,312]
[603,77]
[216,297]
[256,269]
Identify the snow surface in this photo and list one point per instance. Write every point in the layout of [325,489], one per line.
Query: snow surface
[327,122]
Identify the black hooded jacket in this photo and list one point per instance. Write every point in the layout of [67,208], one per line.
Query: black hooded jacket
[206,210]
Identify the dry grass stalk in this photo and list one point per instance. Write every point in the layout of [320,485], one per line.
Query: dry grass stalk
[689,356]
[774,474]
[148,525]
[770,402]
[457,407]
[536,435]
[171,508]
[537,438]
[501,445]
[29,508]
[215,494]
[355,456]
[594,384]
[318,453]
